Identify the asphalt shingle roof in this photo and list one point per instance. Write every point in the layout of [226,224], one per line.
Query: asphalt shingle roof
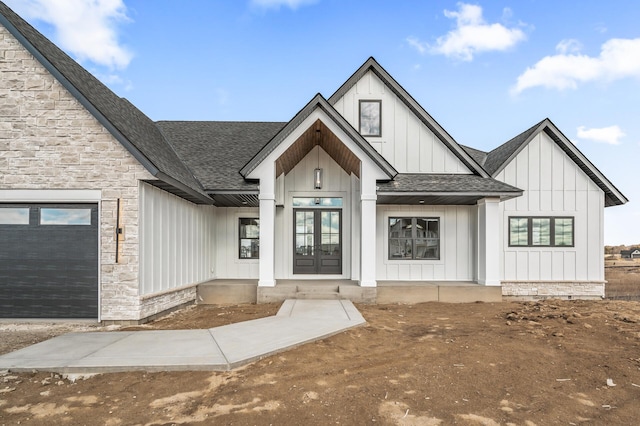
[446,183]
[215,151]
[479,156]
[497,158]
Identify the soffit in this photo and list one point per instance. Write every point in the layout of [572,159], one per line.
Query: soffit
[318,134]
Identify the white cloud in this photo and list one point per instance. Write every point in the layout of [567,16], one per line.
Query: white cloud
[569,46]
[276,4]
[610,135]
[619,58]
[471,36]
[87,29]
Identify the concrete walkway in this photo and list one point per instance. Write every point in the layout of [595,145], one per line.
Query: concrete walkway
[220,348]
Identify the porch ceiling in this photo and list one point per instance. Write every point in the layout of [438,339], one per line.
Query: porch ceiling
[318,134]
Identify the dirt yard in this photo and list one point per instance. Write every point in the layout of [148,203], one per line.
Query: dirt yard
[428,364]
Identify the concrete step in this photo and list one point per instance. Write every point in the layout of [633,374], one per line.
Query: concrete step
[318,296]
[313,288]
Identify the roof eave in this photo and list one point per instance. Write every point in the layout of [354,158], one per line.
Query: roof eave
[503,195]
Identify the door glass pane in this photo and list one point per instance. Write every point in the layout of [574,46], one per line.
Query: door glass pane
[335,222]
[305,233]
[326,244]
[299,222]
[309,247]
[14,216]
[54,216]
[325,220]
[300,246]
[540,231]
[309,225]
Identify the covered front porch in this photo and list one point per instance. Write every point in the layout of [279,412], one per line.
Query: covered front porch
[222,292]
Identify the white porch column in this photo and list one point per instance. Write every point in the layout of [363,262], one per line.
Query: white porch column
[267,226]
[489,241]
[368,199]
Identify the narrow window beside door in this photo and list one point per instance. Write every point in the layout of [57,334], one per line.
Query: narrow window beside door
[249,238]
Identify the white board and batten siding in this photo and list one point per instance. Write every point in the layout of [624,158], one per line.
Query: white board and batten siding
[177,244]
[553,186]
[406,143]
[229,265]
[458,231]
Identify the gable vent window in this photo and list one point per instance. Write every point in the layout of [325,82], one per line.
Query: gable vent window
[541,232]
[371,118]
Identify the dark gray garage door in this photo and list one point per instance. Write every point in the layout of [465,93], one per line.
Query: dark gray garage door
[48,261]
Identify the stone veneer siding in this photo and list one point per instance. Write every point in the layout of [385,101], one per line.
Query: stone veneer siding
[48,140]
[587,290]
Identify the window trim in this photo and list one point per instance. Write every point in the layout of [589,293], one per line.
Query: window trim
[379,102]
[552,231]
[240,238]
[413,238]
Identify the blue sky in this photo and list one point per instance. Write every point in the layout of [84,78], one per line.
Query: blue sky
[485,71]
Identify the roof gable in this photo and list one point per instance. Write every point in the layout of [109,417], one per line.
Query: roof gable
[318,103]
[134,130]
[500,157]
[372,65]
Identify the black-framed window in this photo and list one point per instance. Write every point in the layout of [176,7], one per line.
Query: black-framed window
[414,238]
[249,238]
[544,231]
[371,118]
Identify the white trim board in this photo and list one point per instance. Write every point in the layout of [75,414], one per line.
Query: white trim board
[50,195]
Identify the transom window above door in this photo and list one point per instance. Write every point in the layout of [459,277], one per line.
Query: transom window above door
[317,202]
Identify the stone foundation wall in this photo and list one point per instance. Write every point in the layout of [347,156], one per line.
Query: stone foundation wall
[589,290]
[153,305]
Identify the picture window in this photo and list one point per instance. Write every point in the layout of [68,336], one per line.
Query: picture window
[541,232]
[414,238]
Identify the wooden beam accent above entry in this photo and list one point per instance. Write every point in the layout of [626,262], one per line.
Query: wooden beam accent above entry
[318,134]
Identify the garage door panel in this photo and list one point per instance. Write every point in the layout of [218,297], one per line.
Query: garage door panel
[50,271]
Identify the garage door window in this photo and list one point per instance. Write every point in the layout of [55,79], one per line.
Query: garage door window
[14,216]
[53,216]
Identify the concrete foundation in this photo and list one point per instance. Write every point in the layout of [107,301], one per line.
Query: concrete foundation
[223,292]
